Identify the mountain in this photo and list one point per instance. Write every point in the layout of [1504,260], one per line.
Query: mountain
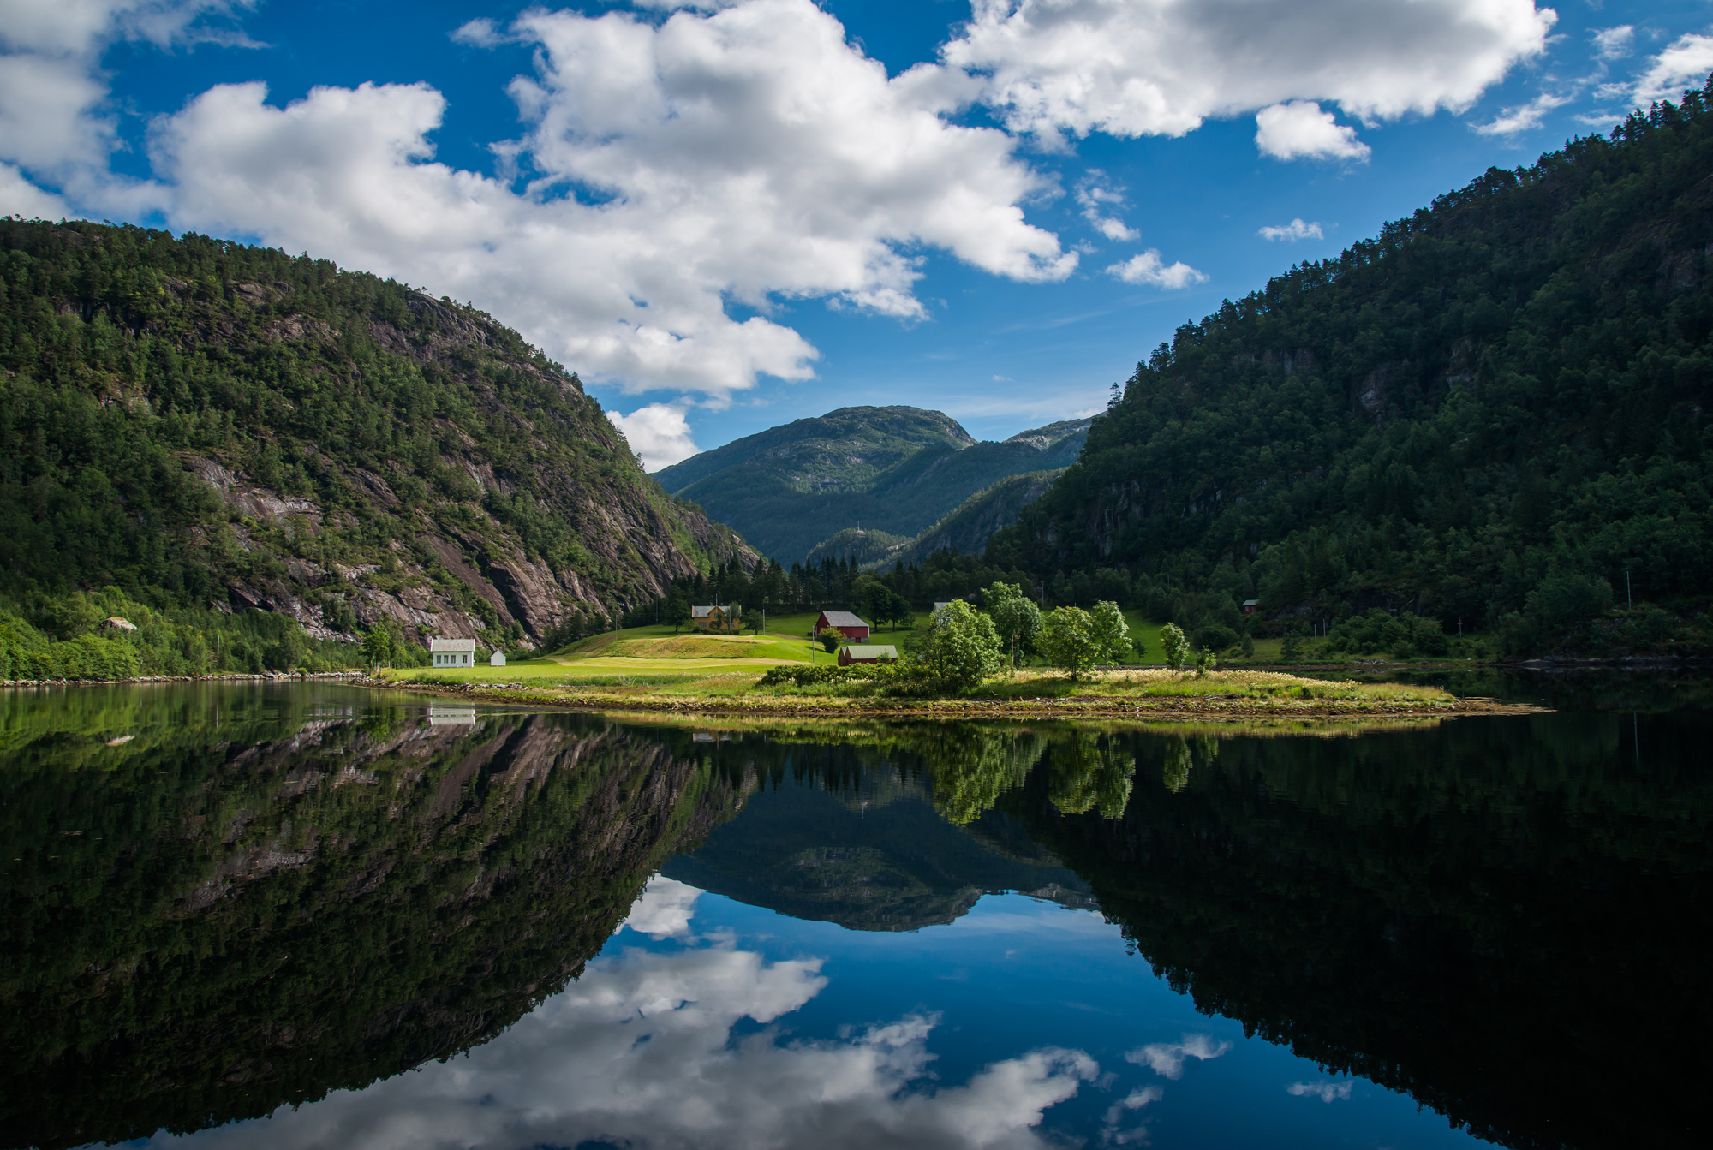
[968,527]
[1493,414]
[894,470]
[216,428]
[841,835]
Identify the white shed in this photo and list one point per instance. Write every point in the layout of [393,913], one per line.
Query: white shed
[497,659]
[453,652]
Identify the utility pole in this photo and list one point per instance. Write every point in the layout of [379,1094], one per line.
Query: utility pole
[1629,603]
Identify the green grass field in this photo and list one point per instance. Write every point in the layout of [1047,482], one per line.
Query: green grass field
[661,661]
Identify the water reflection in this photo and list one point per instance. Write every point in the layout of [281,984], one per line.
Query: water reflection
[225,902]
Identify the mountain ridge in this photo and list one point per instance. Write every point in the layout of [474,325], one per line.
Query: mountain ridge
[218,428]
[794,490]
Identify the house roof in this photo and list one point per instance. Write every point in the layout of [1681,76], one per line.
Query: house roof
[1251,602]
[704,611]
[842,619]
[880,652]
[452,646]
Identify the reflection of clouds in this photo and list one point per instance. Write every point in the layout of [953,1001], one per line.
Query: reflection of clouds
[1167,1058]
[1118,1111]
[663,909]
[640,1052]
[1325,1091]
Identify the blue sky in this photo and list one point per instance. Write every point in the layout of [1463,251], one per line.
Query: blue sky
[728,214]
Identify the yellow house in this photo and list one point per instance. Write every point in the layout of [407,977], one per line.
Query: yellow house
[727,620]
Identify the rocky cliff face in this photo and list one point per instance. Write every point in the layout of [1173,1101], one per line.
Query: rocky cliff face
[274,433]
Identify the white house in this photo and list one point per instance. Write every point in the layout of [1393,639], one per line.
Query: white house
[497,659]
[453,652]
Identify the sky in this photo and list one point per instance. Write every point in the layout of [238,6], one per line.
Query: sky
[728,214]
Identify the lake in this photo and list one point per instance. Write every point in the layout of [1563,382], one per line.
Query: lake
[315,916]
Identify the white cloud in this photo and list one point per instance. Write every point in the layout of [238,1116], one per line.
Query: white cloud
[681,168]
[1098,203]
[1613,43]
[479,33]
[1523,118]
[1683,64]
[1149,268]
[1302,129]
[641,1050]
[659,433]
[664,908]
[1327,1092]
[1160,67]
[55,123]
[48,120]
[19,197]
[1167,1058]
[1297,229]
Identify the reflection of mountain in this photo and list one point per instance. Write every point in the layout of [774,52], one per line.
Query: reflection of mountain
[1496,916]
[894,864]
[260,898]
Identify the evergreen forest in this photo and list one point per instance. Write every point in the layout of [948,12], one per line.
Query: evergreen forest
[250,457]
[1493,416]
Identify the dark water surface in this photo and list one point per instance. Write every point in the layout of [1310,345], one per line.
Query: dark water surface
[311,916]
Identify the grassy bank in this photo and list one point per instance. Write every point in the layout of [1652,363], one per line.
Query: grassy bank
[655,669]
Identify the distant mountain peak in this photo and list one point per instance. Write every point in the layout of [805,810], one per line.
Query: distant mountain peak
[801,489]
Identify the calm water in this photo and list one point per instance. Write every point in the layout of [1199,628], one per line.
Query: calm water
[315,917]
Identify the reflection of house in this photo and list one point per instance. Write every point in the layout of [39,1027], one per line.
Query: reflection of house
[844,622]
[453,652]
[451,715]
[1250,606]
[727,620]
[859,654]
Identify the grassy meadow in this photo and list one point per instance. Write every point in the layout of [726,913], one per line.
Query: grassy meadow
[660,668]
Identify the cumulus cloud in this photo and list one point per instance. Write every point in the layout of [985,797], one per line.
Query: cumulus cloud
[1523,118]
[659,433]
[737,157]
[1613,43]
[1303,130]
[1099,203]
[1684,64]
[55,125]
[1149,268]
[1160,67]
[19,197]
[1325,1091]
[1297,229]
[1167,1058]
[642,1051]
[479,33]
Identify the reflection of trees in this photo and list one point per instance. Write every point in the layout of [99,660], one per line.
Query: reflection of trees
[257,900]
[1181,754]
[1479,914]
[972,766]
[1089,771]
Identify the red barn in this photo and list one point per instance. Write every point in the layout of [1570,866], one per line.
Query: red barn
[844,623]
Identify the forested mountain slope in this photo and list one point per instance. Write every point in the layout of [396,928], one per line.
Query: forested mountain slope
[792,489]
[1488,414]
[207,425]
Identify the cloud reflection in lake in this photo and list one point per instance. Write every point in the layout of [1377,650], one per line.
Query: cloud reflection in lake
[684,1048]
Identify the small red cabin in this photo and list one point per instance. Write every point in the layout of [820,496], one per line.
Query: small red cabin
[844,623]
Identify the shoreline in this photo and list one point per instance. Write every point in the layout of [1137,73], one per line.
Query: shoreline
[220,677]
[1202,709]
